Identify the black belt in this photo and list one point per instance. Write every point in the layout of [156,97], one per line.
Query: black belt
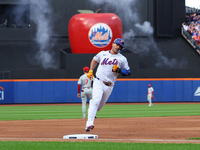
[106,83]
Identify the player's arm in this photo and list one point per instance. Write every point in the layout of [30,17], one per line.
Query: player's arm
[152,95]
[79,89]
[93,64]
[123,72]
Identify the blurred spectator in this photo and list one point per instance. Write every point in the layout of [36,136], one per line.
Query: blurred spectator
[191,30]
[198,21]
[187,19]
[185,26]
[5,24]
[194,17]
[186,30]
[190,19]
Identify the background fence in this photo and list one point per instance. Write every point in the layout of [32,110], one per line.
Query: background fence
[125,90]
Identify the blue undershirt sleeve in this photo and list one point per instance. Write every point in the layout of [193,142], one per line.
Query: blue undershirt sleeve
[125,72]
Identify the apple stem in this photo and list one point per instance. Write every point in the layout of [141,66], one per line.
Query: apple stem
[98,10]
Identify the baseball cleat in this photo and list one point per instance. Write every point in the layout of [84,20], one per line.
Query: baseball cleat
[87,130]
[91,127]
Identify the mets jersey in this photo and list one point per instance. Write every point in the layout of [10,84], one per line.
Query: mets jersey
[106,62]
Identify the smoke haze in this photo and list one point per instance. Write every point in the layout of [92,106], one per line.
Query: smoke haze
[42,17]
[138,36]
[41,14]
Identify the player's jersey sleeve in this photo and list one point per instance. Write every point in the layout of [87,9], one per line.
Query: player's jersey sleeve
[124,64]
[97,57]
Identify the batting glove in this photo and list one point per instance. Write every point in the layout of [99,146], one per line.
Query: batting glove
[116,69]
[90,74]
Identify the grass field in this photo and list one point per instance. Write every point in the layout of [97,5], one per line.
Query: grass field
[108,111]
[40,112]
[13,145]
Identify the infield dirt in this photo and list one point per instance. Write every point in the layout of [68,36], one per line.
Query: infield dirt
[143,129]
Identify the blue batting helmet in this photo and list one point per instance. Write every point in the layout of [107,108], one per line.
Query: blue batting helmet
[120,42]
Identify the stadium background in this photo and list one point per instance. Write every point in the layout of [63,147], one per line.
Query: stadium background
[172,57]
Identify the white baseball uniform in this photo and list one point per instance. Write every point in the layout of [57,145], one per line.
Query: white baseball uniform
[101,91]
[149,95]
[86,91]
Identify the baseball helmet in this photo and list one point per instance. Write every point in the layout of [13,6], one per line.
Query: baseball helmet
[149,84]
[86,68]
[120,42]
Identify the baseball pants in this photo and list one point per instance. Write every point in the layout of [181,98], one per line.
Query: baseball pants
[86,93]
[101,93]
[149,99]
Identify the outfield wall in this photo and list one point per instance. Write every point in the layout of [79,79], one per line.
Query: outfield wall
[125,90]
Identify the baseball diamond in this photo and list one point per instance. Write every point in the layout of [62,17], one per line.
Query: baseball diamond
[126,74]
[172,129]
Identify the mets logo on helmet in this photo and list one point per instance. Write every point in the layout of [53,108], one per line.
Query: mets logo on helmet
[100,35]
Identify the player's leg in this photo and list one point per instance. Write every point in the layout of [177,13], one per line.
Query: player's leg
[89,94]
[106,95]
[94,102]
[149,99]
[84,100]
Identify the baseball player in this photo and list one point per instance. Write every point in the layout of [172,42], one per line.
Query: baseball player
[150,95]
[86,91]
[111,64]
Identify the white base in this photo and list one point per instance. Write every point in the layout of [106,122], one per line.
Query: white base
[80,136]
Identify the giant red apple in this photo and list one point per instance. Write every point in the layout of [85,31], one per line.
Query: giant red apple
[93,32]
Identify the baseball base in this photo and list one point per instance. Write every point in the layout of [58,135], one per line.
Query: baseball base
[80,136]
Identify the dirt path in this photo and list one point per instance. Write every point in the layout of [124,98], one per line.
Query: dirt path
[143,129]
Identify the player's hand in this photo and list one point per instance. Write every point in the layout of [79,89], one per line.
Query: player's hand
[116,69]
[78,95]
[90,74]
[152,97]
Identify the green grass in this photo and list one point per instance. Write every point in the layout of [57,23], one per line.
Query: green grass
[159,110]
[108,111]
[14,145]
[40,112]
[197,138]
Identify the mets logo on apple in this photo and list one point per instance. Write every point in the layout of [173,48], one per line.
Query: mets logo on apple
[100,35]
